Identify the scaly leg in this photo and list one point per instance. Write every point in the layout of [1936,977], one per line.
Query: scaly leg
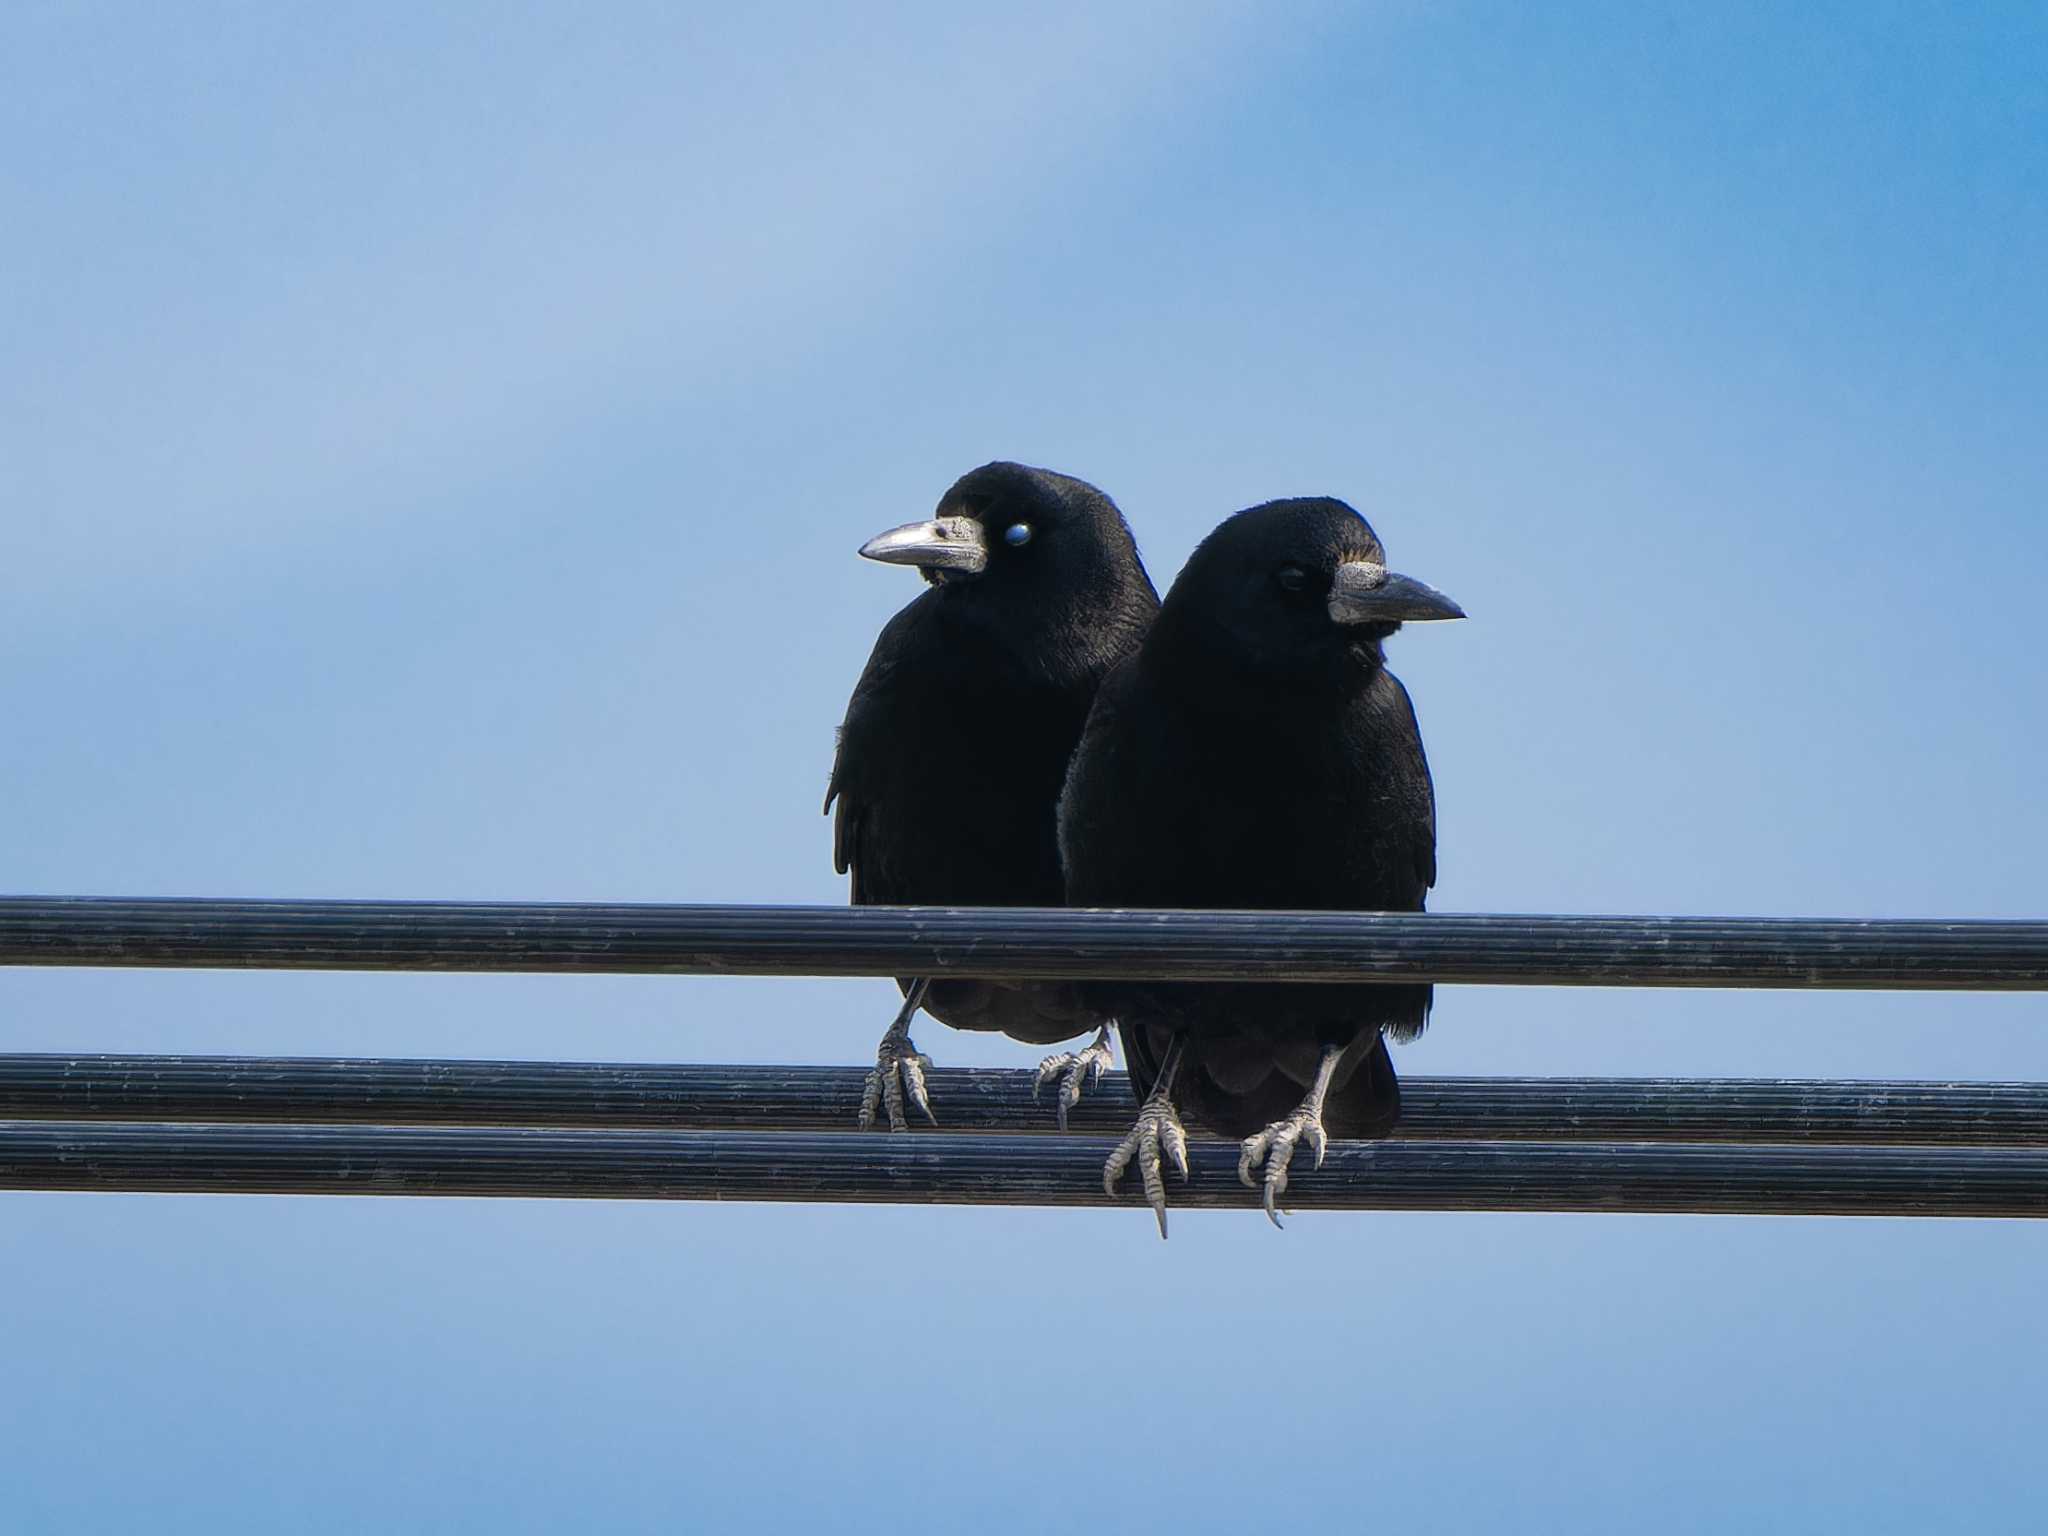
[899,1069]
[1076,1071]
[1274,1146]
[1158,1126]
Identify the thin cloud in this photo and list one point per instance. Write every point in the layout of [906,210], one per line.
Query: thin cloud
[416,303]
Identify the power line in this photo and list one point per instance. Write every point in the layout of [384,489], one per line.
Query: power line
[1009,1170]
[1026,942]
[604,1095]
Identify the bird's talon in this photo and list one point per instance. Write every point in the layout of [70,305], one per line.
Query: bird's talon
[1248,1157]
[1274,1148]
[1158,1129]
[1076,1072]
[870,1099]
[896,1082]
[1273,1215]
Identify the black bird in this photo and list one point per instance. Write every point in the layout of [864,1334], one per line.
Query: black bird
[1257,753]
[957,739]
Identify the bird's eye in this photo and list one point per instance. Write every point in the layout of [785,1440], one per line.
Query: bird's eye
[1292,578]
[1017,535]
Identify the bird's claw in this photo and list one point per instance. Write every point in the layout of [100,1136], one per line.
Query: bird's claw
[1075,1071]
[1158,1127]
[897,1079]
[1274,1146]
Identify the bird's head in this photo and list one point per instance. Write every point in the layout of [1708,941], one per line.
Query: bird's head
[1294,590]
[1007,531]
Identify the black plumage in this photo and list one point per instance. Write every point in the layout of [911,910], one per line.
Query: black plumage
[958,736]
[1257,753]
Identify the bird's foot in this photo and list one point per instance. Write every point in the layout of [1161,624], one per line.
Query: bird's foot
[898,1078]
[1158,1127]
[1075,1071]
[1274,1146]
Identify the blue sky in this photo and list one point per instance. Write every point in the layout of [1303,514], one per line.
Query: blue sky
[432,448]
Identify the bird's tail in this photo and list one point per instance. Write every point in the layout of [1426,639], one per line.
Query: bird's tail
[1370,1103]
[1366,1106]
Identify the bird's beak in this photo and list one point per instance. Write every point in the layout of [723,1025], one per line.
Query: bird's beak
[952,544]
[1365,592]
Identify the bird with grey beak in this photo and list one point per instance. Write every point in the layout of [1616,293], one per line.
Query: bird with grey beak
[1256,753]
[958,735]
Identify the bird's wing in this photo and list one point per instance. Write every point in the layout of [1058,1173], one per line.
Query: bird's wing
[850,812]
[1419,831]
[846,824]
[1103,863]
[859,842]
